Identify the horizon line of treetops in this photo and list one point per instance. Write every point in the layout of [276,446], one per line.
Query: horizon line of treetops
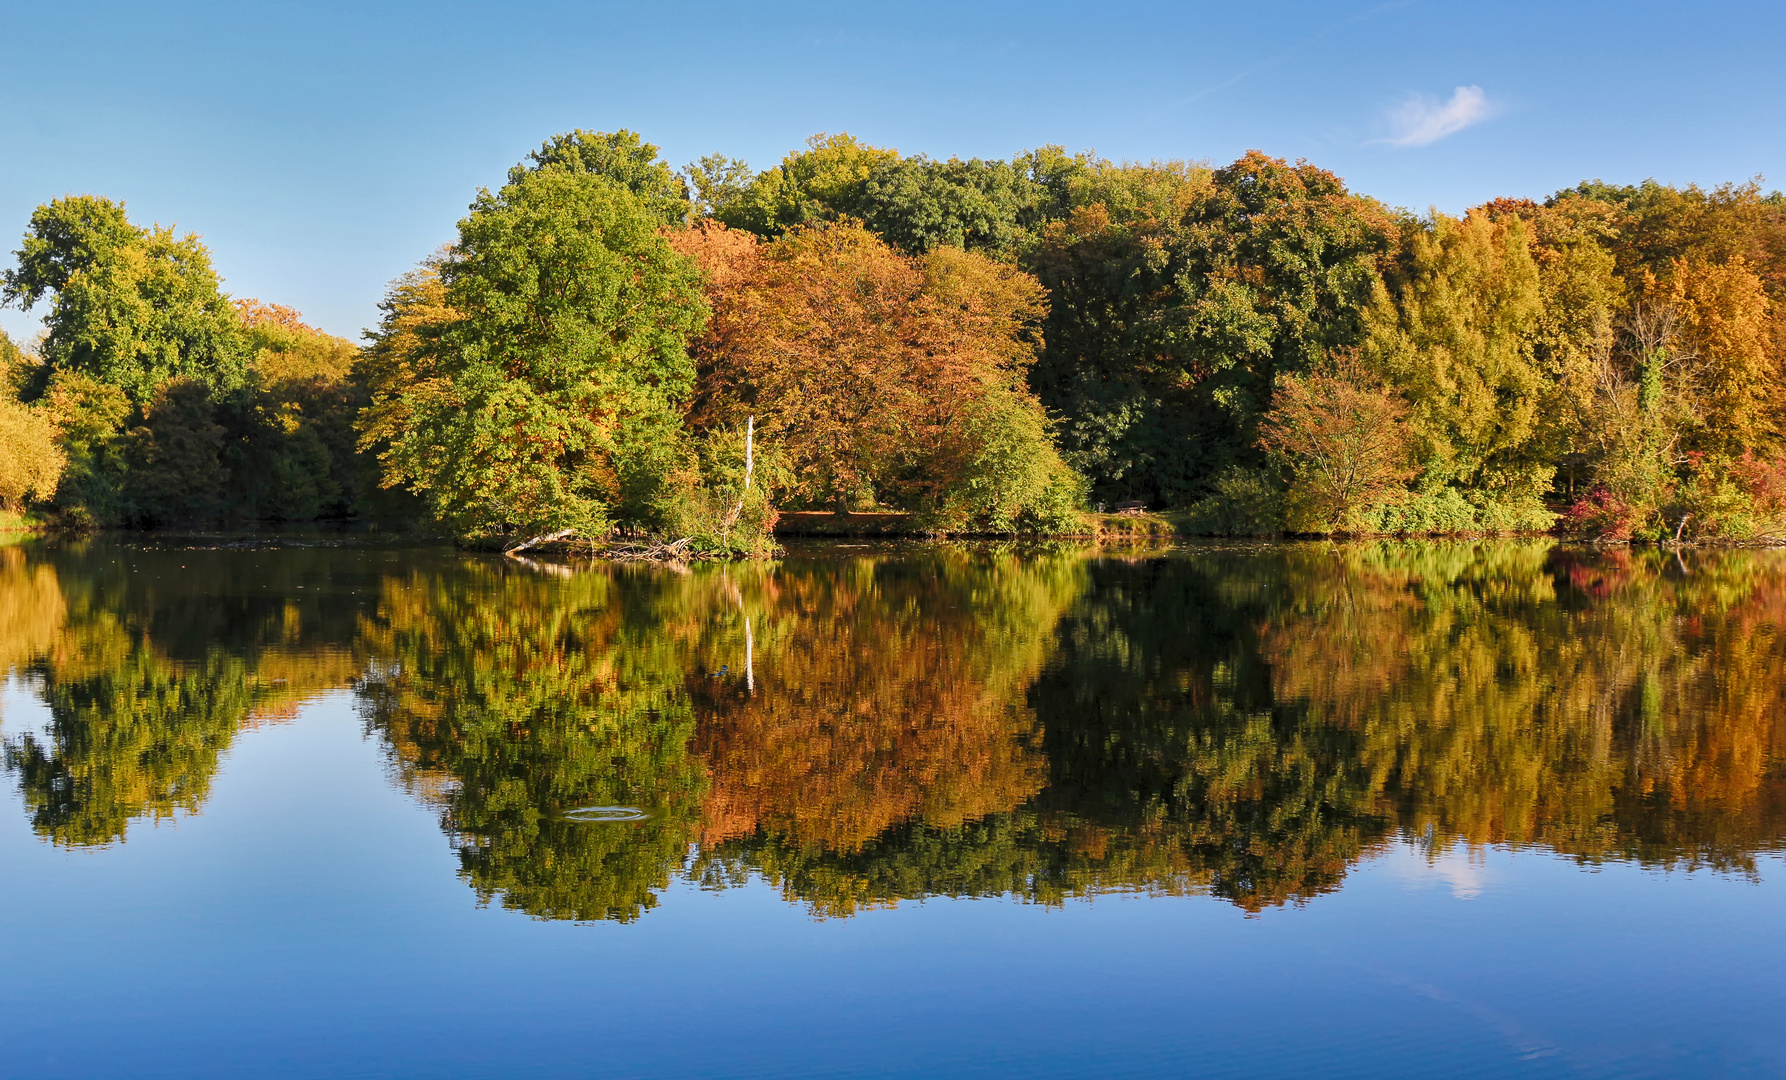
[614,347]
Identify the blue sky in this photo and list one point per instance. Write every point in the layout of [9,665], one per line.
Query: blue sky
[322,148]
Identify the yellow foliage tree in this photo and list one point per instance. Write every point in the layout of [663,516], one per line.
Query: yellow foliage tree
[808,186]
[394,366]
[31,462]
[1724,323]
[1459,343]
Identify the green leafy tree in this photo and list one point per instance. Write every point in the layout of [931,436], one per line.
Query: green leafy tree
[621,156]
[549,402]
[718,181]
[821,183]
[133,307]
[1128,191]
[917,204]
[176,459]
[1167,330]
[15,366]
[290,433]
[89,417]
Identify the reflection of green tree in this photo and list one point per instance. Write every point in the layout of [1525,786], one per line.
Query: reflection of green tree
[151,663]
[1163,732]
[133,735]
[510,697]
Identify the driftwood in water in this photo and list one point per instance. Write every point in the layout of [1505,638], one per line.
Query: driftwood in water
[651,550]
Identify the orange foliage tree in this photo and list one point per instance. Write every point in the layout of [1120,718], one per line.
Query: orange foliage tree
[881,377]
[1345,440]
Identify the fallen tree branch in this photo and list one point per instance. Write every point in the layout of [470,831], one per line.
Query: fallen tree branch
[651,551]
[546,539]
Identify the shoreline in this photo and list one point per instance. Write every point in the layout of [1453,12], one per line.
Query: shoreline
[1113,529]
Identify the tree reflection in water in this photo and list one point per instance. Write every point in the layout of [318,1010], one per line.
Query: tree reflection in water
[861,727]
[151,661]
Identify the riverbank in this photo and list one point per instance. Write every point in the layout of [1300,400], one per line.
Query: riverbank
[891,525]
[12,524]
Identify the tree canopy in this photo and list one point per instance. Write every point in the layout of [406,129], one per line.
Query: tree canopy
[621,156]
[546,401]
[979,343]
[133,306]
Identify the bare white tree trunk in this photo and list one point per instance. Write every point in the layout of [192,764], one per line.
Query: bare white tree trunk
[750,441]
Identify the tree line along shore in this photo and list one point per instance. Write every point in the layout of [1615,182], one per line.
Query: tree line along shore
[617,352]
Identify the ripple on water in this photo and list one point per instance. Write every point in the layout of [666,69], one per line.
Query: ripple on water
[596,815]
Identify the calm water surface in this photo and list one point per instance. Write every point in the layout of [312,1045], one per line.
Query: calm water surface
[1500,809]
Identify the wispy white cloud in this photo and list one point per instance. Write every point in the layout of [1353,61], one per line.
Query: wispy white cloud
[1421,121]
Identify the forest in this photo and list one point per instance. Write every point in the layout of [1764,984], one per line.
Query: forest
[615,350]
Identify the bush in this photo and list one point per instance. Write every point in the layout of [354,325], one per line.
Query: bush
[1450,510]
[1011,478]
[706,498]
[1760,512]
[1707,497]
[1245,502]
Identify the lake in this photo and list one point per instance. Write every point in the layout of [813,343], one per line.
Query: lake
[320,808]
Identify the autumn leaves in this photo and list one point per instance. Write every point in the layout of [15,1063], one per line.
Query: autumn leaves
[881,376]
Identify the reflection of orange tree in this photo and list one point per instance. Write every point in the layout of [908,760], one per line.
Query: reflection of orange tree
[887,739]
[1604,705]
[887,693]
[136,729]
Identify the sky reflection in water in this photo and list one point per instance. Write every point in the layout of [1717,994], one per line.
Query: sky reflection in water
[1500,808]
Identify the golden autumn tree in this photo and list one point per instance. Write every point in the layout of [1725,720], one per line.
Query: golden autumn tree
[1723,312]
[1458,341]
[395,367]
[31,462]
